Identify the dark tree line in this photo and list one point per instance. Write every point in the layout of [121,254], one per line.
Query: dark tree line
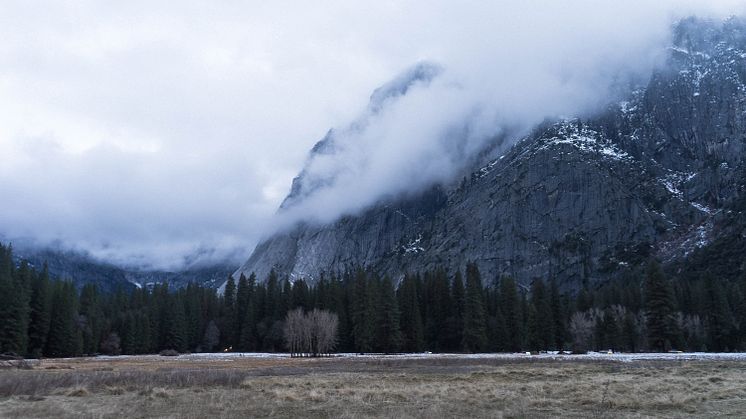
[428,311]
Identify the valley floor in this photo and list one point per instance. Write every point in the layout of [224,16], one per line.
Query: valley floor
[428,385]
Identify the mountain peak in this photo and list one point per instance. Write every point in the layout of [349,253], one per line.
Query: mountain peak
[308,182]
[421,73]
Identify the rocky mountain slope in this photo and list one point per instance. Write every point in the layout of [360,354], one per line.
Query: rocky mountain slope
[660,173]
[83,269]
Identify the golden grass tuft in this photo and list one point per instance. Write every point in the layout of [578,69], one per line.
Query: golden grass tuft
[78,392]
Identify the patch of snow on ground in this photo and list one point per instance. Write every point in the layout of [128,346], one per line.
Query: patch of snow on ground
[586,141]
[552,355]
[414,246]
[674,180]
[484,171]
[590,144]
[672,188]
[626,108]
[701,236]
[697,238]
[701,207]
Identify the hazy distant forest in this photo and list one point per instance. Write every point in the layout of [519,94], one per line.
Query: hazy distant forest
[428,311]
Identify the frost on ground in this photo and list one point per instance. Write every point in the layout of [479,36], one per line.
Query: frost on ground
[618,357]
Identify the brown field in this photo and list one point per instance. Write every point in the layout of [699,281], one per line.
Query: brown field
[152,386]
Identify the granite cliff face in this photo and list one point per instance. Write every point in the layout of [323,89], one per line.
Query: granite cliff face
[660,173]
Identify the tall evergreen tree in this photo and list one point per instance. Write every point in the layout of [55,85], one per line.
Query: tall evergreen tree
[228,317]
[659,308]
[439,309]
[13,304]
[741,312]
[176,326]
[558,316]
[90,316]
[718,316]
[363,313]
[300,295]
[194,316]
[388,330]
[14,313]
[40,313]
[411,319]
[243,294]
[454,327]
[64,339]
[247,340]
[475,328]
[274,297]
[541,327]
[497,332]
[510,308]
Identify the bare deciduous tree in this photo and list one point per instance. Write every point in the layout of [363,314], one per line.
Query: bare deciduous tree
[312,334]
[212,336]
[324,326]
[294,326]
[581,330]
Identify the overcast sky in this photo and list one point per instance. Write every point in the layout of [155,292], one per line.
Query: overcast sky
[146,131]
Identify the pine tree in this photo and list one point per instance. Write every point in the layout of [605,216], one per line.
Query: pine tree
[630,333]
[142,336]
[64,339]
[340,302]
[175,321]
[40,313]
[454,327]
[389,336]
[285,298]
[227,324]
[498,332]
[247,340]
[243,293]
[718,316]
[510,308]
[193,312]
[128,333]
[558,316]
[741,311]
[475,329]
[411,319]
[363,313]
[13,304]
[523,324]
[541,325]
[274,297]
[90,314]
[438,309]
[300,295]
[14,313]
[659,305]
[157,315]
[611,331]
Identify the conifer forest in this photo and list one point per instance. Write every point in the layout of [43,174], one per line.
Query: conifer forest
[434,311]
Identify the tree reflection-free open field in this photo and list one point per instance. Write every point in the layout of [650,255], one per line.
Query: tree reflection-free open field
[440,386]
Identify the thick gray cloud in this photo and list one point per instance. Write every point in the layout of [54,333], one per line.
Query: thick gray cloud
[144,132]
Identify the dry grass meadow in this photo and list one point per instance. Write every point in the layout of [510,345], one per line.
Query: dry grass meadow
[152,386]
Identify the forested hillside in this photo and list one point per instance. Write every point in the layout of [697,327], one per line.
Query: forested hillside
[429,311]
